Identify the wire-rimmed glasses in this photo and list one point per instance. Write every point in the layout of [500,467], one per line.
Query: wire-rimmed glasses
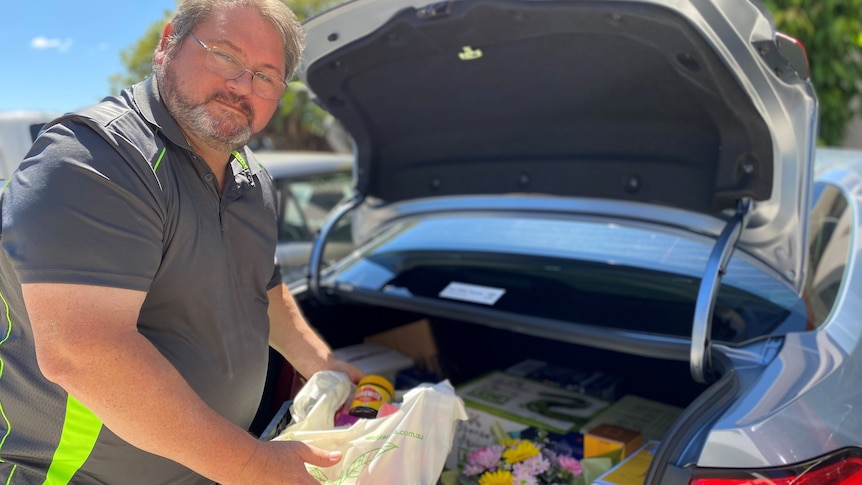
[267,85]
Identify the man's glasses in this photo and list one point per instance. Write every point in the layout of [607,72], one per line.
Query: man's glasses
[265,84]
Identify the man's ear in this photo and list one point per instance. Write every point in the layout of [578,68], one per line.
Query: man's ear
[161,50]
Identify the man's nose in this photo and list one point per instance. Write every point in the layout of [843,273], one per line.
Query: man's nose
[243,83]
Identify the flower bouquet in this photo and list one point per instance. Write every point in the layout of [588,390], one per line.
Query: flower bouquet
[528,462]
[519,462]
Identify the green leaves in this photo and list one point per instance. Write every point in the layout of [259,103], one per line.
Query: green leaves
[138,57]
[831,31]
[354,468]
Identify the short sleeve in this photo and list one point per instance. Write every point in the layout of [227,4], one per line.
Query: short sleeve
[76,211]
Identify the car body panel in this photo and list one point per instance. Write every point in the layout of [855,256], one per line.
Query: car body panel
[300,164]
[809,395]
[654,92]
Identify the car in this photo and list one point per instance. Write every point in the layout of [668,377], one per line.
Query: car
[308,185]
[630,187]
[18,130]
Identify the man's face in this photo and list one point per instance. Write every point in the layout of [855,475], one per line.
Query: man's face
[211,110]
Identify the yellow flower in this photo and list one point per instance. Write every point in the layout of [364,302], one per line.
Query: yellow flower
[520,452]
[499,477]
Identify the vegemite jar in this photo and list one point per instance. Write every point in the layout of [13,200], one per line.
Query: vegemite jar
[371,392]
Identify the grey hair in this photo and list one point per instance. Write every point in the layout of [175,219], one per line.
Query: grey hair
[191,13]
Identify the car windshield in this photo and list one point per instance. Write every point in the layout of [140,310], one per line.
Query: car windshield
[573,271]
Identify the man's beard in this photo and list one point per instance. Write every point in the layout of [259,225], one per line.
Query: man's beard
[225,132]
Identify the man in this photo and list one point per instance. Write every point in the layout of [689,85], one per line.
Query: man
[137,271]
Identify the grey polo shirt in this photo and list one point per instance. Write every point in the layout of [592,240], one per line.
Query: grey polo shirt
[115,197]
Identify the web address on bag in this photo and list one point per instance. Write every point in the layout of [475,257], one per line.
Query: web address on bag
[400,432]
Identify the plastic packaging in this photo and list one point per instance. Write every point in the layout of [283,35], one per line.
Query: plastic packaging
[371,393]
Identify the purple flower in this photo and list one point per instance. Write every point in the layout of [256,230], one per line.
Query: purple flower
[483,459]
[521,462]
[532,466]
[522,478]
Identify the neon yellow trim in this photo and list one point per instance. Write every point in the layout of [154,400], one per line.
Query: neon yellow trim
[240,159]
[159,161]
[11,474]
[3,366]
[80,429]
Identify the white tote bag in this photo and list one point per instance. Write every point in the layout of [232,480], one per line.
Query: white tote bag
[408,447]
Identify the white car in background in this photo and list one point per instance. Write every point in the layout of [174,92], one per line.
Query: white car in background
[18,130]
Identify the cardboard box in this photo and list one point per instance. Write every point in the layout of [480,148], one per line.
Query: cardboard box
[513,404]
[415,340]
[375,359]
[607,438]
[632,470]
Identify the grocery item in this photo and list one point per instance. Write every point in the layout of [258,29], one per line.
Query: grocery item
[371,392]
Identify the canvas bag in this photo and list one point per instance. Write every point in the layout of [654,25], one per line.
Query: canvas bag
[408,447]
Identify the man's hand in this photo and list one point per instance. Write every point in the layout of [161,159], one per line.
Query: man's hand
[353,372]
[297,342]
[280,462]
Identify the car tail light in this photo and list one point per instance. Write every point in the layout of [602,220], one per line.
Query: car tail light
[841,468]
[795,53]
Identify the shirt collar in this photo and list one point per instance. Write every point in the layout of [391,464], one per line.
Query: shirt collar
[148,102]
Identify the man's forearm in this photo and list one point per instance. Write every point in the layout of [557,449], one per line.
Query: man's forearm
[292,337]
[150,405]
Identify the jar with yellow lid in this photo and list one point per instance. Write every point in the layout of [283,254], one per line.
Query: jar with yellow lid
[371,392]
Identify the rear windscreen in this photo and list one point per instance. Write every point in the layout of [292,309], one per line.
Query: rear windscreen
[576,272]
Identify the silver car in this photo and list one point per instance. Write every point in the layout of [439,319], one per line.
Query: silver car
[308,185]
[626,186]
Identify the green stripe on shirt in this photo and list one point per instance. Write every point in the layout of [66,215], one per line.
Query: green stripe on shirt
[80,430]
[3,366]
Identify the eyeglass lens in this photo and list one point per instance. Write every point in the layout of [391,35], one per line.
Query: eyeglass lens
[265,85]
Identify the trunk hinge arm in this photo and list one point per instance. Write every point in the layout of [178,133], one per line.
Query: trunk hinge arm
[316,260]
[701,352]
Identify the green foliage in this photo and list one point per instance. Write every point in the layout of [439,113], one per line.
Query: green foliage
[138,58]
[299,124]
[831,31]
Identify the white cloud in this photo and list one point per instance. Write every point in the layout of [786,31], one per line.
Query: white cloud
[46,43]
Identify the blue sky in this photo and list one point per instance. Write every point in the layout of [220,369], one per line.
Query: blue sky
[60,54]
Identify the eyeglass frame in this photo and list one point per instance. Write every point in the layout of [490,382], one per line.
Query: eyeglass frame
[242,67]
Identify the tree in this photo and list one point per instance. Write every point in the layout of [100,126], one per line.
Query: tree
[831,31]
[138,58]
[298,124]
